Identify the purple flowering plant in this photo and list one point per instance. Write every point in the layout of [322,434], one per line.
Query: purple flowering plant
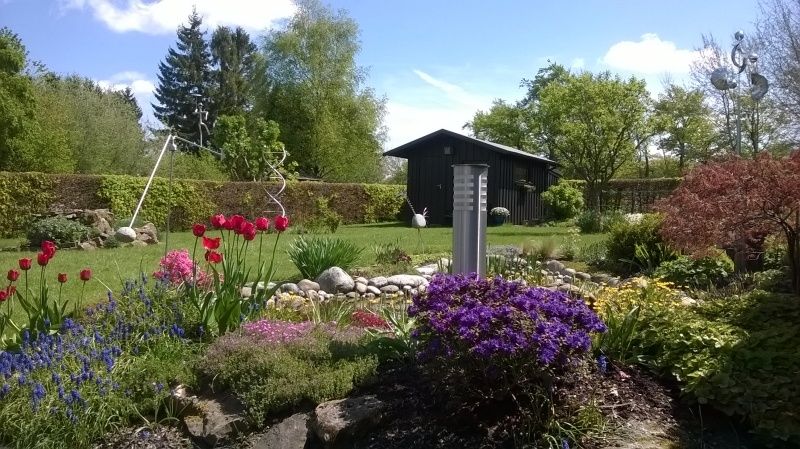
[494,325]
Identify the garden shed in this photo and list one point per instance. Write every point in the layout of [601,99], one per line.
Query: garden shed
[516,178]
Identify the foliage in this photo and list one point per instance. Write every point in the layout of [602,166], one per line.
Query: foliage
[685,124]
[496,335]
[400,328]
[563,200]
[540,250]
[188,206]
[594,254]
[185,80]
[705,272]
[314,255]
[17,107]
[504,123]
[21,196]
[593,222]
[250,149]
[592,118]
[634,246]
[203,166]
[728,203]
[270,378]
[310,85]
[389,253]
[775,253]
[385,202]
[325,218]
[63,231]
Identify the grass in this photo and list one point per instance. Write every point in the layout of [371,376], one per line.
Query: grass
[112,266]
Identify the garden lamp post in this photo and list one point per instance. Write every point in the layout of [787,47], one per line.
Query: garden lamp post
[725,79]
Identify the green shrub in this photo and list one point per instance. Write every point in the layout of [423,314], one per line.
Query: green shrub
[594,253]
[325,219]
[64,232]
[270,378]
[314,255]
[740,354]
[635,246]
[776,255]
[684,271]
[21,195]
[594,222]
[390,254]
[539,249]
[563,200]
[385,202]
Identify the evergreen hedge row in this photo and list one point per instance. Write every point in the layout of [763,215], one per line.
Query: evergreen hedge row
[23,196]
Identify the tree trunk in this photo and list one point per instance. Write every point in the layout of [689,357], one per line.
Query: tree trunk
[793,245]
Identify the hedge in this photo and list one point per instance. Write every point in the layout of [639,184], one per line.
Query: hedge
[632,195]
[23,196]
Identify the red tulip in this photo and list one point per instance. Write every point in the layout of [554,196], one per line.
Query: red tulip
[199,230]
[213,257]
[25,264]
[262,223]
[42,259]
[86,274]
[281,223]
[249,233]
[49,248]
[12,275]
[3,295]
[62,277]
[218,221]
[234,223]
[211,243]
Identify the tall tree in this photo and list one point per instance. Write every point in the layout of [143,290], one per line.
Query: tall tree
[504,123]
[540,133]
[127,96]
[233,56]
[184,81]
[16,97]
[593,119]
[311,86]
[779,44]
[685,125]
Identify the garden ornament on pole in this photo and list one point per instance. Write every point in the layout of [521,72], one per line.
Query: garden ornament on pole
[725,79]
[418,221]
[469,218]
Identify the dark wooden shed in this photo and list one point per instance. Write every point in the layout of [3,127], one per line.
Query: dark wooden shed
[516,178]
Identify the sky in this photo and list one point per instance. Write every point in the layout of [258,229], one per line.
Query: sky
[436,62]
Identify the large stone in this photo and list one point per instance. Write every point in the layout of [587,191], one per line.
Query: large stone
[378,281]
[402,280]
[362,280]
[335,280]
[361,288]
[307,284]
[554,266]
[390,289]
[373,289]
[291,433]
[290,288]
[568,272]
[337,422]
[428,270]
[583,276]
[212,420]
[147,233]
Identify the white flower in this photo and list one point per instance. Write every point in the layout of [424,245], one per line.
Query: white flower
[500,211]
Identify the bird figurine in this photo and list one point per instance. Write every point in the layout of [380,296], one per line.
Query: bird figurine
[418,220]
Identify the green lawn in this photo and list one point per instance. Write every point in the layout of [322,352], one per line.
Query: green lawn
[112,266]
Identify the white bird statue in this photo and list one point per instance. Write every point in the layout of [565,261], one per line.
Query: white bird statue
[418,220]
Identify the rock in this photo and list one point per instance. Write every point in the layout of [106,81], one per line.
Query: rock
[422,288]
[583,276]
[361,288]
[688,301]
[125,234]
[575,291]
[307,284]
[373,290]
[402,280]
[290,288]
[335,279]
[407,288]
[211,420]
[246,292]
[139,243]
[337,422]
[554,266]
[427,270]
[600,278]
[351,295]
[613,282]
[87,246]
[312,295]
[147,233]
[322,294]
[390,289]
[361,280]
[379,281]
[568,272]
[291,433]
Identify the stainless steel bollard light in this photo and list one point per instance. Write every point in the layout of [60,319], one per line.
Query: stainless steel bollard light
[469,218]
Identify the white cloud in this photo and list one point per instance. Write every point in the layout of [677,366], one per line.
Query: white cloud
[428,107]
[650,55]
[164,16]
[577,63]
[139,84]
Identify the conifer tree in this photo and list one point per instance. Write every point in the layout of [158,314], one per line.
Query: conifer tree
[184,81]
[233,55]
[127,96]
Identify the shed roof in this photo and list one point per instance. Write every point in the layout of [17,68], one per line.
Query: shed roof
[404,150]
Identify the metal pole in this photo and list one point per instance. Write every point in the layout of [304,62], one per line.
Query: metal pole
[469,218]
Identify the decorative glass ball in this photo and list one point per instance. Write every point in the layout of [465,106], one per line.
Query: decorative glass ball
[418,221]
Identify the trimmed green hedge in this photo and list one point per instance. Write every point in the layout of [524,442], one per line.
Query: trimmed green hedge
[24,195]
[632,195]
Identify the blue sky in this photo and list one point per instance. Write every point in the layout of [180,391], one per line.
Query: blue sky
[436,62]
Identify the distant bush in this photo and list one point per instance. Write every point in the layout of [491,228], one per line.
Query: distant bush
[64,232]
[563,200]
[595,222]
[634,246]
[314,255]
